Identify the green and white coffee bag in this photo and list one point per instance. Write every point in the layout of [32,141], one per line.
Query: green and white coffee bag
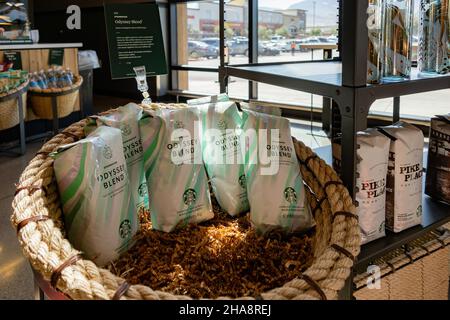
[222,153]
[126,119]
[95,192]
[176,178]
[275,186]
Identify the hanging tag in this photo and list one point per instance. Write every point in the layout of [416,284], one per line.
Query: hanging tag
[141,79]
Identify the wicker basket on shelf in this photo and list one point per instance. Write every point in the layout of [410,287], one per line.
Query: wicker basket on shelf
[37,218]
[66,99]
[420,273]
[9,106]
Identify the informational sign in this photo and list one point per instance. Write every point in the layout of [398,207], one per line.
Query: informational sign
[134,39]
[15,58]
[56,57]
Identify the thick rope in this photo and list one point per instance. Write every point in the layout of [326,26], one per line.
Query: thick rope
[44,243]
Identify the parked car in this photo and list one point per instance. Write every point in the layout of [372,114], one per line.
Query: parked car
[286,46]
[238,46]
[332,39]
[312,40]
[276,38]
[275,44]
[215,42]
[267,50]
[199,49]
[323,39]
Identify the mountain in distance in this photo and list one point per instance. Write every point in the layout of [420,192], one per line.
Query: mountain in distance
[326,12]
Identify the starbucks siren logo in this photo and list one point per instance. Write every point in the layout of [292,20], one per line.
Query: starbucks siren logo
[290,195]
[126,130]
[107,152]
[178,125]
[222,124]
[143,190]
[243,181]
[125,229]
[190,197]
[419,211]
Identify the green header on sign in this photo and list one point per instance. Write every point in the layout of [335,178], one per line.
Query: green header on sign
[134,39]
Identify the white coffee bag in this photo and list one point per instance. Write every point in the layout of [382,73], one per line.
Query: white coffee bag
[373,154]
[405,175]
[176,178]
[95,192]
[126,119]
[222,153]
[275,186]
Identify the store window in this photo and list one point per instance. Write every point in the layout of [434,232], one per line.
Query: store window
[281,24]
[198,45]
[284,26]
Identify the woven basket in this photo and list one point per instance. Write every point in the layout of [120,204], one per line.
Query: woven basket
[66,98]
[37,217]
[9,106]
[421,273]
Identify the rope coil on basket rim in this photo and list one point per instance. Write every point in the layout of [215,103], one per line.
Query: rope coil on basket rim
[344,251]
[121,291]
[56,274]
[345,214]
[314,285]
[30,189]
[93,282]
[25,222]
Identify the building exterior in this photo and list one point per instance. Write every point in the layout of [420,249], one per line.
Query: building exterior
[203,19]
[270,19]
[294,20]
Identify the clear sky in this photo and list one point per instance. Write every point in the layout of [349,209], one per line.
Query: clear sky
[278,4]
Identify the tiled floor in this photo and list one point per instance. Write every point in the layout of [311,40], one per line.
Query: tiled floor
[16,280]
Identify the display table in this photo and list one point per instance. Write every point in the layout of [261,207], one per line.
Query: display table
[34,58]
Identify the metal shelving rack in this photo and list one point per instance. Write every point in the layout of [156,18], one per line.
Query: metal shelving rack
[344,81]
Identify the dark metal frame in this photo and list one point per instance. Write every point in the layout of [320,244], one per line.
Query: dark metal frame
[354,98]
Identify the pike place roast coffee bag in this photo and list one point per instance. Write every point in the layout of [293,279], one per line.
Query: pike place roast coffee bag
[405,174]
[222,153]
[126,119]
[275,186]
[176,177]
[372,166]
[438,169]
[95,192]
